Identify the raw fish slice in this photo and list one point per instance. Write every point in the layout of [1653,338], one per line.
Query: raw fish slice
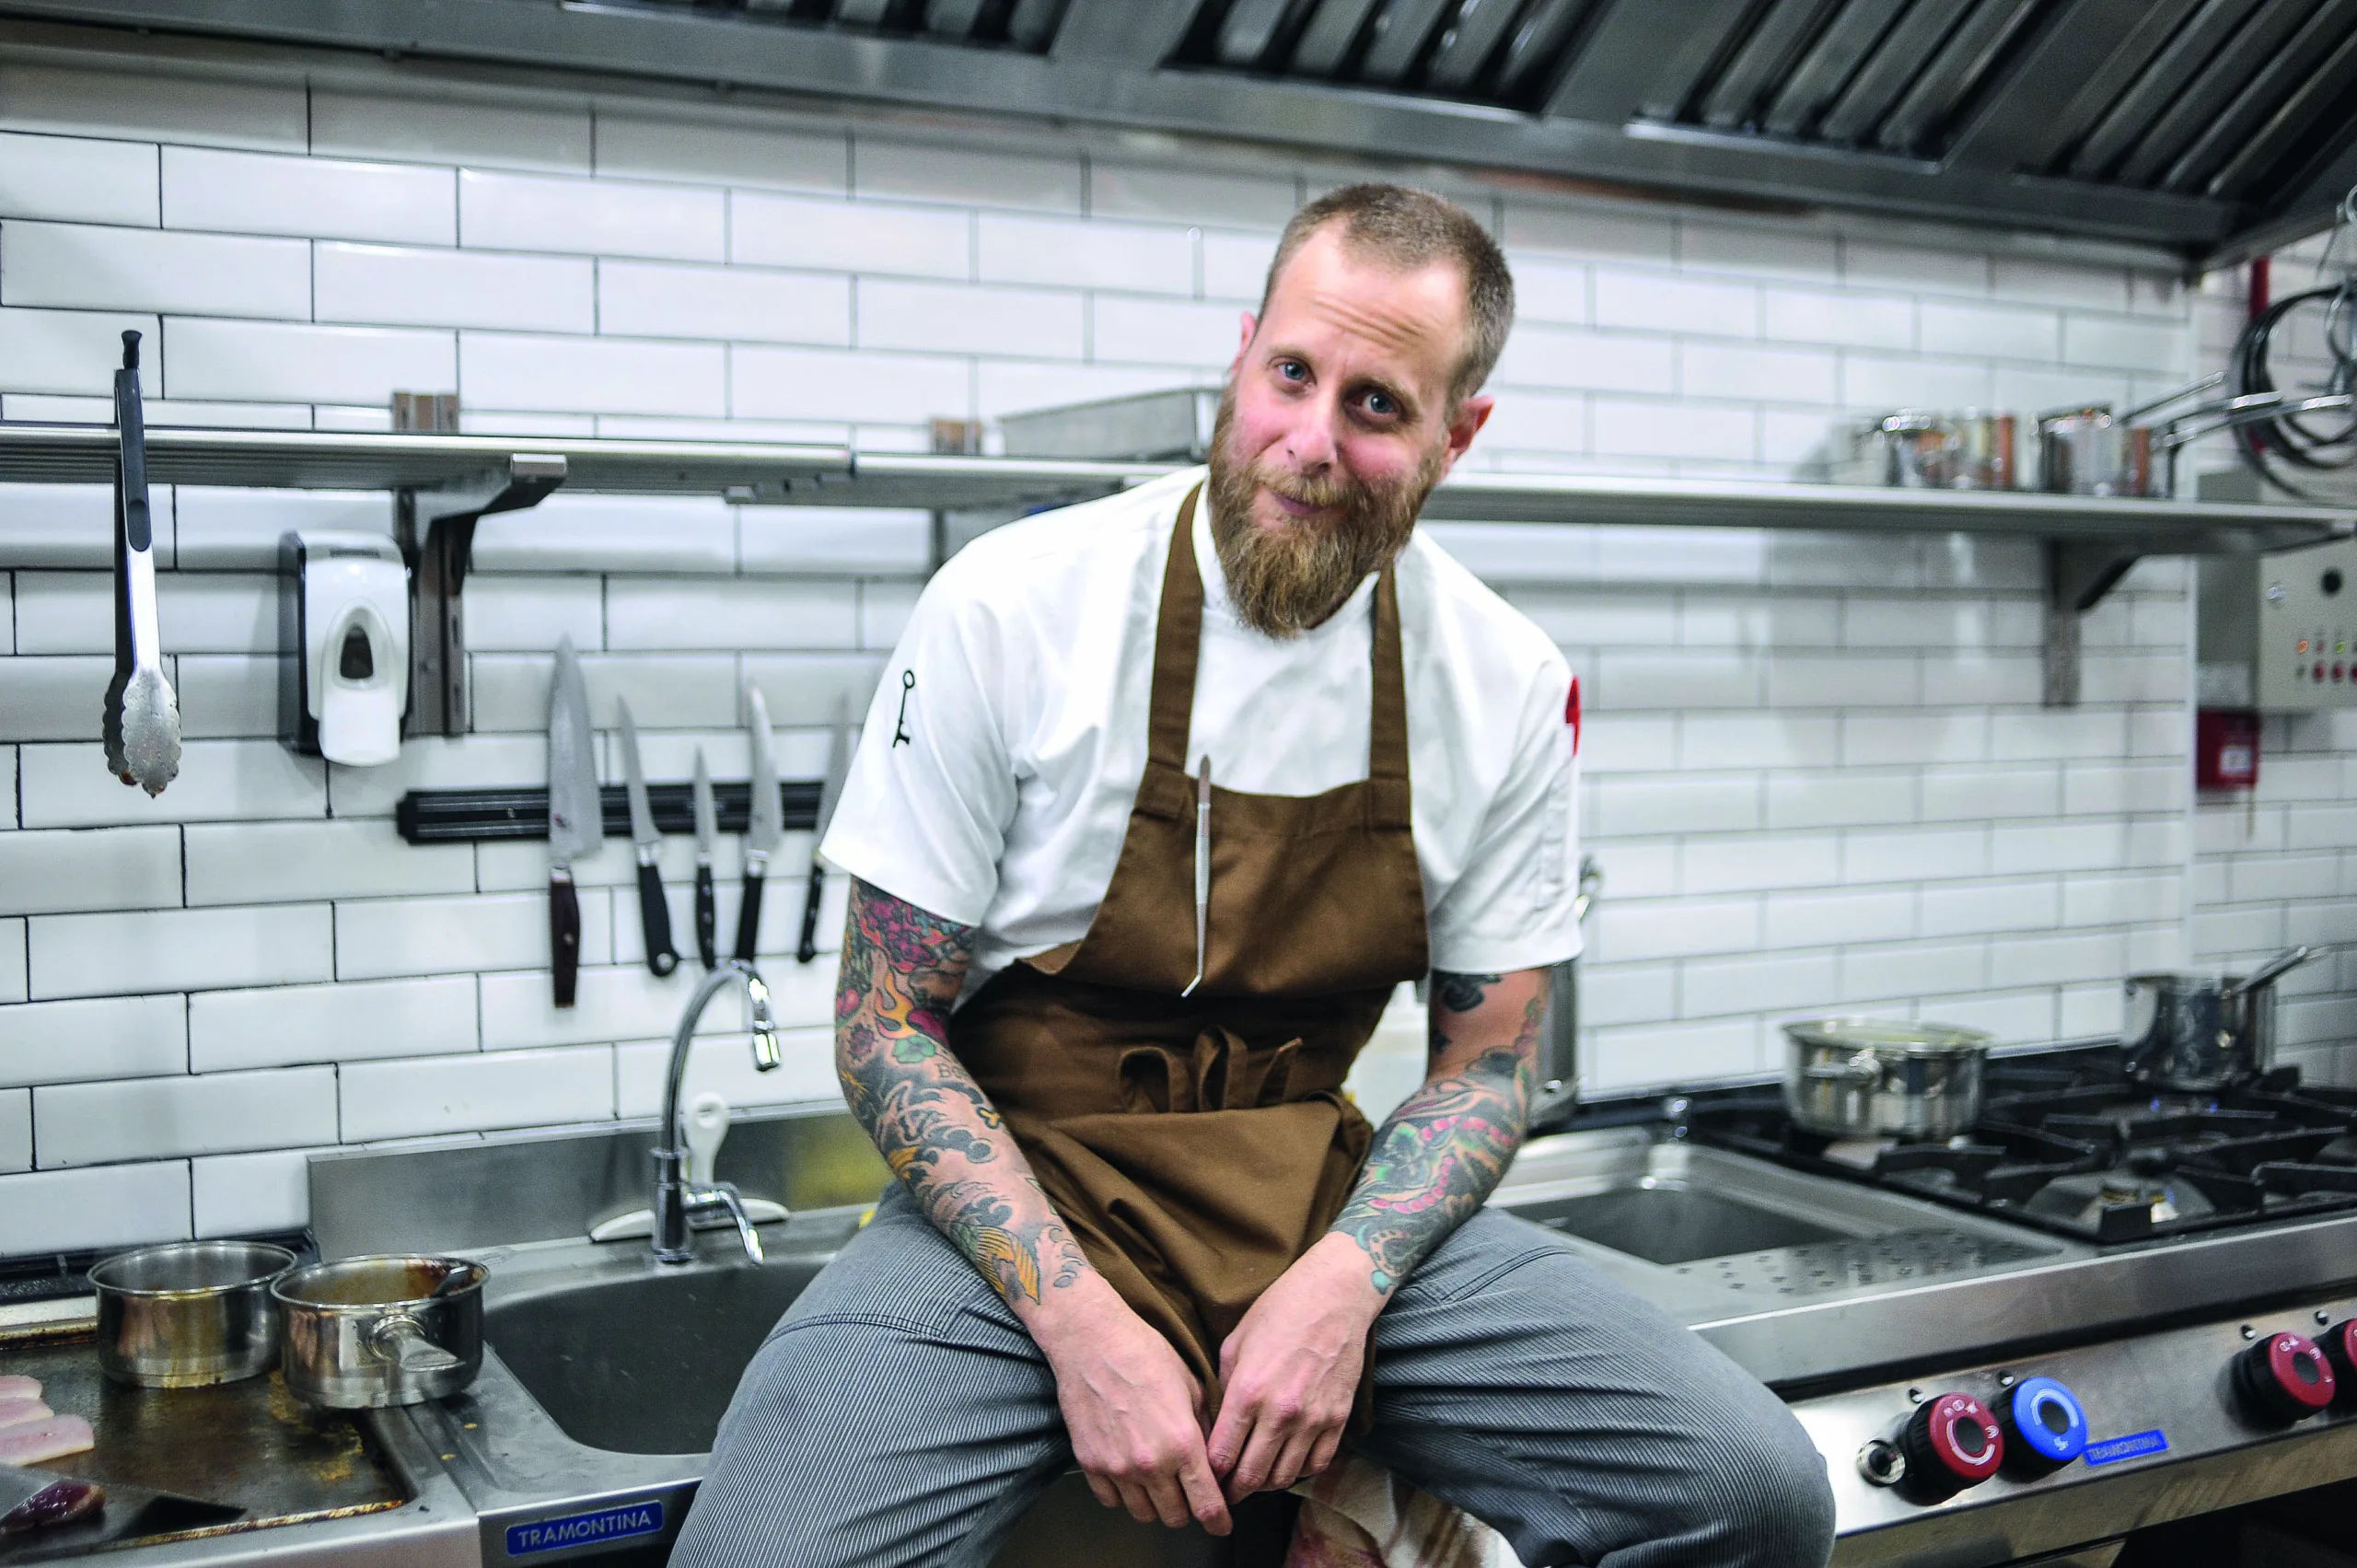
[60,1503]
[14,1386]
[17,1413]
[51,1439]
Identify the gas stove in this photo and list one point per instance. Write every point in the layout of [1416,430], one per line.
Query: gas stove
[2097,1312]
[2066,1145]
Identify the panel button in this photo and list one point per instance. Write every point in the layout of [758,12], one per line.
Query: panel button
[2044,1425]
[1951,1442]
[2282,1378]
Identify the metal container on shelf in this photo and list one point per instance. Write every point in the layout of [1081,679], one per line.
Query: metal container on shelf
[1883,1078]
[1558,1056]
[1929,449]
[189,1314]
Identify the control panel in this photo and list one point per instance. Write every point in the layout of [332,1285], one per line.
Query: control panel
[2279,632]
[2100,1422]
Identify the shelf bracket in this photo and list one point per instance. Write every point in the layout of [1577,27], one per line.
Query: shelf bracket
[2077,576]
[435,528]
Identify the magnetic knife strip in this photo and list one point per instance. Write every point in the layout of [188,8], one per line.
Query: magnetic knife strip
[461,815]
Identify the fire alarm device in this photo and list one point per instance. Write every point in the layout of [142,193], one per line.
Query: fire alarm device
[2225,748]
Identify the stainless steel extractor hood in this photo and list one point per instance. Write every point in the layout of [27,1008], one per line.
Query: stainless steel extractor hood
[2211,128]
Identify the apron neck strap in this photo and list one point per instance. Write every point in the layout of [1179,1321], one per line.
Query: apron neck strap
[1177,644]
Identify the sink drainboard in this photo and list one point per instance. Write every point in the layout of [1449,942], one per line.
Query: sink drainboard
[1898,1256]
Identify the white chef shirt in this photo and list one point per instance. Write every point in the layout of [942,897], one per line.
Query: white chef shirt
[994,788]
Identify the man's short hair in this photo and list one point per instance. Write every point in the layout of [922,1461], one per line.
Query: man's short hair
[1409,228]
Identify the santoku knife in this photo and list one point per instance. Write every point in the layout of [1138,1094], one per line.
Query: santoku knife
[765,825]
[654,909]
[707,830]
[576,818]
[838,766]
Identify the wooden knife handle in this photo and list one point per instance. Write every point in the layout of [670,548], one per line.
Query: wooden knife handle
[564,936]
[655,920]
[807,948]
[708,919]
[748,914]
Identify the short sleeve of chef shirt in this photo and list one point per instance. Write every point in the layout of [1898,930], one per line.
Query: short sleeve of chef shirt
[1003,748]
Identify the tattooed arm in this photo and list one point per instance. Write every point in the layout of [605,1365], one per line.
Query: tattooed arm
[1292,1366]
[1128,1401]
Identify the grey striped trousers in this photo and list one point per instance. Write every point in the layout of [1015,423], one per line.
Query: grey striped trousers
[900,1415]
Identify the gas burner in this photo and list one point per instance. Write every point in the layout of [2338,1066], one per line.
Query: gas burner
[2065,1143]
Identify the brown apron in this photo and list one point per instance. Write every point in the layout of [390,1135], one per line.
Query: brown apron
[1197,1146]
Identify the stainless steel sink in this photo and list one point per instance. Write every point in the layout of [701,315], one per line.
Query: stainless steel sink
[643,1364]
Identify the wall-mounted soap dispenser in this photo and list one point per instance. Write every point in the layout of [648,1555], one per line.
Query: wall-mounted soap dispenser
[343,646]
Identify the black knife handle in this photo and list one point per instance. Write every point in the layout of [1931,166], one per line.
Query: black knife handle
[708,919]
[748,914]
[807,948]
[564,936]
[655,920]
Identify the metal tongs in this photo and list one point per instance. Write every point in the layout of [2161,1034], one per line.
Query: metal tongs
[1203,868]
[142,724]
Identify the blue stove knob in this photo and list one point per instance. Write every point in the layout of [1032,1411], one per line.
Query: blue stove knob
[2045,1427]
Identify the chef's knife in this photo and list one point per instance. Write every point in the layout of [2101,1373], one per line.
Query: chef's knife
[764,824]
[654,909]
[576,818]
[707,829]
[838,766]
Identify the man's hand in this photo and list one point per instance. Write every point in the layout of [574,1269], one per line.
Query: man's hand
[1292,1371]
[1133,1409]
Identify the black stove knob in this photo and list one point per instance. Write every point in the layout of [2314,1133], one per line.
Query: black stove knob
[2339,1346]
[2044,1424]
[1951,1442]
[2282,1378]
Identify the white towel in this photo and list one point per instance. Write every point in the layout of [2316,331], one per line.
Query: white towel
[1358,1515]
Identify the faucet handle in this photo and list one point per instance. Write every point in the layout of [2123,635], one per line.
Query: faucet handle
[723,1195]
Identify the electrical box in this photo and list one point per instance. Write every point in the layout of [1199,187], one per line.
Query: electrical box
[2277,633]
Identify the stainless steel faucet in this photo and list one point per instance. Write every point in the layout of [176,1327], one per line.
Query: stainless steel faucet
[676,1200]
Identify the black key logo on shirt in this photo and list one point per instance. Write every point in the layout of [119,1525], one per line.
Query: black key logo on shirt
[900,729]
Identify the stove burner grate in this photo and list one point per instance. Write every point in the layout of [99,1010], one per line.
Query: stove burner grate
[2077,1150]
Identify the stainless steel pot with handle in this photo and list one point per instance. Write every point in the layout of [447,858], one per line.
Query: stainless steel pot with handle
[364,1333]
[2192,1033]
[1882,1077]
[1559,1054]
[189,1314]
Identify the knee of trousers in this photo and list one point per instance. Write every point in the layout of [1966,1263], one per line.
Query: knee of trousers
[1765,1478]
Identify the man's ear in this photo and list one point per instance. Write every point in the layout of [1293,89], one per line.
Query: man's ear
[1471,414]
[1252,324]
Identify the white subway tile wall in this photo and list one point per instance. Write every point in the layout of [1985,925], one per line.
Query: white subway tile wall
[1817,775]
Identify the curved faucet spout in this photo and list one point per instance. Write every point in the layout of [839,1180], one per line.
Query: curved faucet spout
[675,1202]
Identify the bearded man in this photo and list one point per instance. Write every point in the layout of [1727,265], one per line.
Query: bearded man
[1160,799]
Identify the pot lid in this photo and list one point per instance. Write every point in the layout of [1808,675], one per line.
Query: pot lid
[1893,1035]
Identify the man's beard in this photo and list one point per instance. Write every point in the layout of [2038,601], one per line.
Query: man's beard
[1284,581]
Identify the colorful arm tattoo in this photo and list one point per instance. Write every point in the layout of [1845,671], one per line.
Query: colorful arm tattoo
[1437,1158]
[901,970]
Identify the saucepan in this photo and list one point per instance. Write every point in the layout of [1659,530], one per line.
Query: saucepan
[2191,1033]
[1923,450]
[363,1333]
[190,1313]
[1883,1077]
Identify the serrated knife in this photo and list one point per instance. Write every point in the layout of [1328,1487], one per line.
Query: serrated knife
[838,768]
[765,825]
[707,830]
[576,817]
[654,909]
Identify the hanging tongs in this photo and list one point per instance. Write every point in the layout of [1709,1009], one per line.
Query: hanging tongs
[142,726]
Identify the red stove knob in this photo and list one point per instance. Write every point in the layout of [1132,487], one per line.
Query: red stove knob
[1951,1442]
[2282,1378]
[2339,1346]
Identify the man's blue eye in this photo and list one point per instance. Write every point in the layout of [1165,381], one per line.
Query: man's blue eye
[1293,370]
[1377,403]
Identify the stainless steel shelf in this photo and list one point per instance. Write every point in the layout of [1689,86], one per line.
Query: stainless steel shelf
[825,475]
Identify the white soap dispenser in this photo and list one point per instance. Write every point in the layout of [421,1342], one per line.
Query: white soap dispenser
[343,646]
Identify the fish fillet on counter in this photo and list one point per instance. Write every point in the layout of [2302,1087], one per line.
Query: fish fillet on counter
[51,1437]
[16,1412]
[15,1386]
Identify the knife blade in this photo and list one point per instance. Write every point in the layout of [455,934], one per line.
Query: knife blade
[707,830]
[764,827]
[830,792]
[576,818]
[654,909]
